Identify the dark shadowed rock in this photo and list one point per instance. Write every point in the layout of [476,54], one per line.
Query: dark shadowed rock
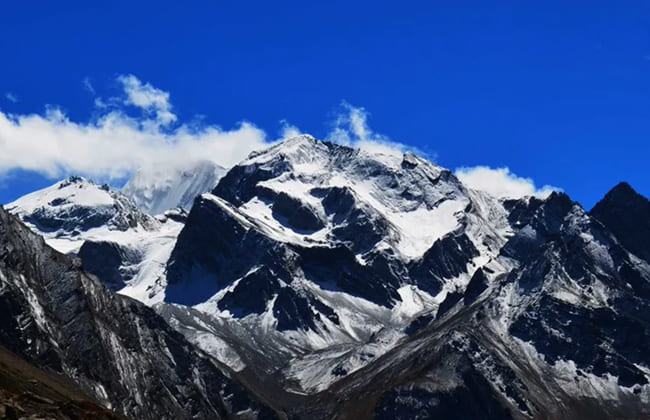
[626,214]
[450,301]
[110,262]
[447,258]
[476,286]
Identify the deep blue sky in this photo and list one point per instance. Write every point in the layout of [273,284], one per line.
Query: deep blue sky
[557,91]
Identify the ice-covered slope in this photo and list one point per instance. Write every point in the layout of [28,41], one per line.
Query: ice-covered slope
[156,190]
[115,240]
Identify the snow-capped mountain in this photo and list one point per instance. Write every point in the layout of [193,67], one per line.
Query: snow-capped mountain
[116,241]
[339,283]
[75,206]
[313,247]
[156,190]
[564,334]
[334,260]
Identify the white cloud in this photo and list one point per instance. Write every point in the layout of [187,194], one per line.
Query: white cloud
[113,145]
[500,182]
[351,128]
[11,97]
[288,130]
[151,100]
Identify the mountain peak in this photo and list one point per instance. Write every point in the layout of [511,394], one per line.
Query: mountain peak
[623,190]
[75,179]
[404,192]
[626,213]
[296,149]
[77,204]
[301,139]
[74,190]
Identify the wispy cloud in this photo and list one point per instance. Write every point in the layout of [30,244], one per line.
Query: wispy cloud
[88,86]
[151,100]
[288,130]
[115,144]
[11,97]
[500,182]
[350,127]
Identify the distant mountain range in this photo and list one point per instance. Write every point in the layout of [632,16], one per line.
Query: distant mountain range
[318,281]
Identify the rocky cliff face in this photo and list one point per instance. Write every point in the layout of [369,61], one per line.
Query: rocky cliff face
[114,348]
[563,334]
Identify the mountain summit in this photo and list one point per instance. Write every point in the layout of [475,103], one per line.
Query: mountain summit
[626,214]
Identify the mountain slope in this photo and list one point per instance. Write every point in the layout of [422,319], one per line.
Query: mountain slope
[28,391]
[116,349]
[562,335]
